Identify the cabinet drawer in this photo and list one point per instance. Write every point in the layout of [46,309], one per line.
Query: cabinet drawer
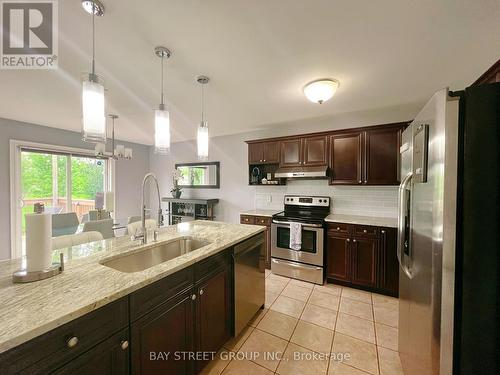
[365,231]
[50,351]
[211,265]
[246,219]
[151,296]
[262,220]
[339,228]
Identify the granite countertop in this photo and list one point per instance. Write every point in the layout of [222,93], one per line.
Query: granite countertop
[390,222]
[29,310]
[259,212]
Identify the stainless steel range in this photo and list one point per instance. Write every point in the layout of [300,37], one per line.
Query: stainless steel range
[306,263]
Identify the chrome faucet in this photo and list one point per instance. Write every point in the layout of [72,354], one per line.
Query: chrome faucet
[143,236]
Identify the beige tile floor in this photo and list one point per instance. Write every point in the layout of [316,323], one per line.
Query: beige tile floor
[307,327]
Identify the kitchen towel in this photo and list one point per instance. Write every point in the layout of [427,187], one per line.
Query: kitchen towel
[295,236]
[38,242]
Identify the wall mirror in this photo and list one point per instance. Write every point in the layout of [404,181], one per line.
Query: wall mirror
[199,175]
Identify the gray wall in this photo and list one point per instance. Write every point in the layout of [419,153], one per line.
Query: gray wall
[128,173]
[235,195]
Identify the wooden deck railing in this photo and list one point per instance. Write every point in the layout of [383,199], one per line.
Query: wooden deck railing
[80,206]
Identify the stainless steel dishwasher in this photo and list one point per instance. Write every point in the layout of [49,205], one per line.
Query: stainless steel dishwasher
[249,280]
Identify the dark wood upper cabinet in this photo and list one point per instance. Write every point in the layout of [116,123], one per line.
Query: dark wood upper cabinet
[364,261]
[291,153]
[492,75]
[382,156]
[271,152]
[256,153]
[263,152]
[346,156]
[315,151]
[358,156]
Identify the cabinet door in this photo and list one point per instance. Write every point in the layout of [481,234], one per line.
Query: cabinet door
[388,279]
[110,357]
[255,153]
[213,320]
[167,329]
[346,158]
[271,152]
[291,153]
[382,156]
[315,151]
[364,261]
[337,258]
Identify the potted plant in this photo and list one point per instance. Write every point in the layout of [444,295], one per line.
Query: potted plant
[176,191]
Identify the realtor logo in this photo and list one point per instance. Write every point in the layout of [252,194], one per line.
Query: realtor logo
[29,34]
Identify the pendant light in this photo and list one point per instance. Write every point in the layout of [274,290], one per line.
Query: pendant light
[162,116]
[202,136]
[93,103]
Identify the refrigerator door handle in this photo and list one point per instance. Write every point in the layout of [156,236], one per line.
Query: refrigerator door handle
[402,217]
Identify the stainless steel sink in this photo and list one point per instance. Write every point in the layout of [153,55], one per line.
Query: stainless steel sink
[154,255]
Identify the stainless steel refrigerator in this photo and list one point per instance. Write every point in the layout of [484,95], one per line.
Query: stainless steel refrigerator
[441,249]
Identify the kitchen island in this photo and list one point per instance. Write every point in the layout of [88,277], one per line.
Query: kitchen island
[99,300]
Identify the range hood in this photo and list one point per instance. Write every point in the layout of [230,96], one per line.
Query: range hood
[302,172]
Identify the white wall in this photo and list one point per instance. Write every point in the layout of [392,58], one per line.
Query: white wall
[235,195]
[128,173]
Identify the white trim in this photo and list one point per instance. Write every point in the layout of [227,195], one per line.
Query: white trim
[15,179]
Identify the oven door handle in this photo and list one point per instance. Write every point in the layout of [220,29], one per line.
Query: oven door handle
[303,224]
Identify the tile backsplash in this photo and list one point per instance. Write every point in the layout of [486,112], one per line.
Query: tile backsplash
[379,201]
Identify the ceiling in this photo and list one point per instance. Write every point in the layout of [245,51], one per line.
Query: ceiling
[258,54]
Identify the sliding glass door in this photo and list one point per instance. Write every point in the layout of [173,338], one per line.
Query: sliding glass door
[60,180]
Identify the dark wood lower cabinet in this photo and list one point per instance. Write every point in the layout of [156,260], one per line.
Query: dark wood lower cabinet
[159,329]
[213,323]
[110,357]
[264,221]
[160,334]
[363,257]
[364,261]
[337,260]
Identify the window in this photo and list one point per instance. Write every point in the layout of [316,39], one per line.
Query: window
[64,180]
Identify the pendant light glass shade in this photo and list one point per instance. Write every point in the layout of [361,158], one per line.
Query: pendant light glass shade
[93,105]
[202,136]
[203,141]
[162,131]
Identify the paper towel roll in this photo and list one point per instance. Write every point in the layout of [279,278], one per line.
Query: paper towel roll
[109,203]
[38,242]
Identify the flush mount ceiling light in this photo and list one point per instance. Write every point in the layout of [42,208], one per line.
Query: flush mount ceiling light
[93,7]
[321,90]
[162,116]
[202,136]
[93,106]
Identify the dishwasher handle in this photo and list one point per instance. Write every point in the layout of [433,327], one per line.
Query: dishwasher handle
[248,245]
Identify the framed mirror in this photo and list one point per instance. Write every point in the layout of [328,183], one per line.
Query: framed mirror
[199,175]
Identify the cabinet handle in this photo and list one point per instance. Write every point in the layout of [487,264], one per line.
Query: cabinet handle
[348,240]
[124,345]
[360,181]
[365,231]
[71,343]
[193,297]
[354,240]
[264,159]
[338,228]
[383,231]
[201,292]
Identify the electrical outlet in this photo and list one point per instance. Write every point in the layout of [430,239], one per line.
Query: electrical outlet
[269,198]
